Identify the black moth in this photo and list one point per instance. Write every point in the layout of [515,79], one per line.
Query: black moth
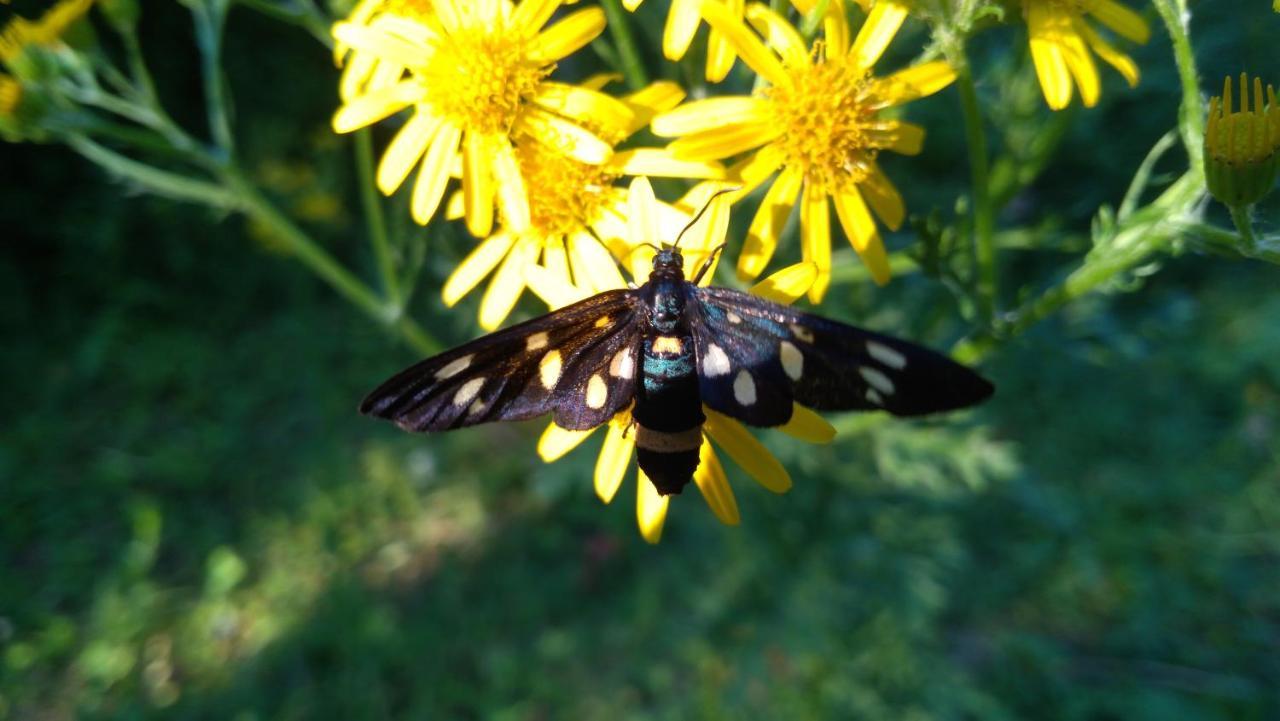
[671,346]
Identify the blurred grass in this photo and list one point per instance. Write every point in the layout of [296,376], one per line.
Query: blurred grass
[196,524]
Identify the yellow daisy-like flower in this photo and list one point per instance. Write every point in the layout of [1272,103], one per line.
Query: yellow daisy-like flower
[577,215]
[46,30]
[1242,147]
[731,436]
[817,125]
[476,75]
[1061,41]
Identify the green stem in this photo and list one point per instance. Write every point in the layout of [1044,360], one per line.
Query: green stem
[307,16]
[1191,112]
[620,27]
[1240,216]
[210,18]
[373,217]
[984,246]
[160,182]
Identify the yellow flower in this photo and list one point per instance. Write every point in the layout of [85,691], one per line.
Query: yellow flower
[10,96]
[819,124]
[1061,41]
[476,74]
[47,30]
[1242,148]
[728,434]
[682,22]
[577,215]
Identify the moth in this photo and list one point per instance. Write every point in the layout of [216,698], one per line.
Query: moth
[668,347]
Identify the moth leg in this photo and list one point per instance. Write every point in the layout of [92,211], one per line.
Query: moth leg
[706,264]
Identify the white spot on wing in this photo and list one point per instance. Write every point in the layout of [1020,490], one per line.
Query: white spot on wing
[454,367]
[886,355]
[549,369]
[802,333]
[874,396]
[878,380]
[744,388]
[715,362]
[537,341]
[597,392]
[623,364]
[733,317]
[468,391]
[792,360]
[477,407]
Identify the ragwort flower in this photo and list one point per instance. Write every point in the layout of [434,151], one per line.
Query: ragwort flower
[475,75]
[577,213]
[1061,41]
[818,125]
[1242,147]
[731,436]
[46,30]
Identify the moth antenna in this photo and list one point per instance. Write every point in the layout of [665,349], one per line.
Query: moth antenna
[627,258]
[706,264]
[703,210]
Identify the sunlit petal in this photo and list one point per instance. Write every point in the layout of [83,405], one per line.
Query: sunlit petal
[747,452]
[478,264]
[651,509]
[815,237]
[555,442]
[766,226]
[880,27]
[808,426]
[434,173]
[714,484]
[615,456]
[856,221]
[507,284]
[787,285]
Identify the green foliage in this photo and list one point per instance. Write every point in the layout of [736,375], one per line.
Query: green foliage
[196,524]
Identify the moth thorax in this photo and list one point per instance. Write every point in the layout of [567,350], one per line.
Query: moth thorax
[666,307]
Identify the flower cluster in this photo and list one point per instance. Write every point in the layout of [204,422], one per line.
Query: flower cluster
[542,164]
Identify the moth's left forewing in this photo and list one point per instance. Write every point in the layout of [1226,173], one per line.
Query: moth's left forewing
[829,365]
[740,370]
[522,372]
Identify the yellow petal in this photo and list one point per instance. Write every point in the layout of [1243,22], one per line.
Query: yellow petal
[434,174]
[766,226]
[1116,59]
[779,34]
[815,237]
[749,47]
[567,35]
[451,17]
[861,231]
[720,55]
[355,74]
[372,107]
[552,288]
[382,45]
[747,452]
[724,141]
[631,4]
[836,27]
[710,114]
[755,169]
[655,98]
[808,426]
[593,267]
[912,83]
[569,138]
[880,27]
[883,197]
[1123,22]
[555,260]
[600,80]
[705,238]
[787,285]
[479,263]
[615,456]
[586,105]
[1043,25]
[405,150]
[533,14]
[900,137]
[454,208]
[513,199]
[477,184]
[642,210]
[682,23]
[507,284]
[1081,64]
[556,442]
[651,509]
[659,162]
[714,485]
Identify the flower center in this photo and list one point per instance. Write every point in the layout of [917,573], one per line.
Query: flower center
[824,115]
[564,195]
[480,76]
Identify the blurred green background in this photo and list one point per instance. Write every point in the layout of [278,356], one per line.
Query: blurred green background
[197,524]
